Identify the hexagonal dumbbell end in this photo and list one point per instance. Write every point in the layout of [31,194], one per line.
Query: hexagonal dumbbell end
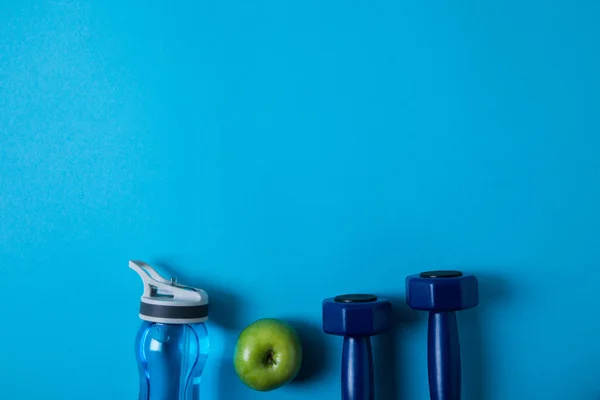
[357,317]
[442,293]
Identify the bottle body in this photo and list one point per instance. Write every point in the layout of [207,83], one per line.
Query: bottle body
[171,358]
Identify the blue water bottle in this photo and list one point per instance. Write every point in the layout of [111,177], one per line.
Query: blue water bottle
[171,346]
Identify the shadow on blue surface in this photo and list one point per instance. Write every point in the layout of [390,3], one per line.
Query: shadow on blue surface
[386,347]
[316,354]
[225,311]
[225,307]
[473,333]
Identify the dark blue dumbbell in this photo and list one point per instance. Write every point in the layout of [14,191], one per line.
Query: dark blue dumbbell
[442,293]
[357,317]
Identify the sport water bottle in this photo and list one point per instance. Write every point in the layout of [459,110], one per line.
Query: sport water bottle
[171,346]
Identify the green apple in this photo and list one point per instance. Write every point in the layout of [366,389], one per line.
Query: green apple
[268,354]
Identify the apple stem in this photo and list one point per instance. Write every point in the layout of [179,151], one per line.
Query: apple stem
[270,358]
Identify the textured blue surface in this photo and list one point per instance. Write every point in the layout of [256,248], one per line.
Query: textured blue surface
[277,153]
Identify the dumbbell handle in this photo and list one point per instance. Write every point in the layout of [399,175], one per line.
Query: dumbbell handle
[443,356]
[357,369]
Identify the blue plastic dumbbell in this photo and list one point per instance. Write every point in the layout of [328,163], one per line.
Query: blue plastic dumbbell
[442,293]
[357,317]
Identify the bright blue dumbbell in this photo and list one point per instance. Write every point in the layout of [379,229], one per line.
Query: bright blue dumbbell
[357,317]
[442,293]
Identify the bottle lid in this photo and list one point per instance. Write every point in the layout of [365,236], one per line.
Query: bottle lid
[166,301]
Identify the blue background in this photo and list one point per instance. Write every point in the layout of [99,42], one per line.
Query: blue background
[276,153]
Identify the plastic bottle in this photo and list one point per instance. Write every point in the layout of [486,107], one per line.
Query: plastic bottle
[171,345]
